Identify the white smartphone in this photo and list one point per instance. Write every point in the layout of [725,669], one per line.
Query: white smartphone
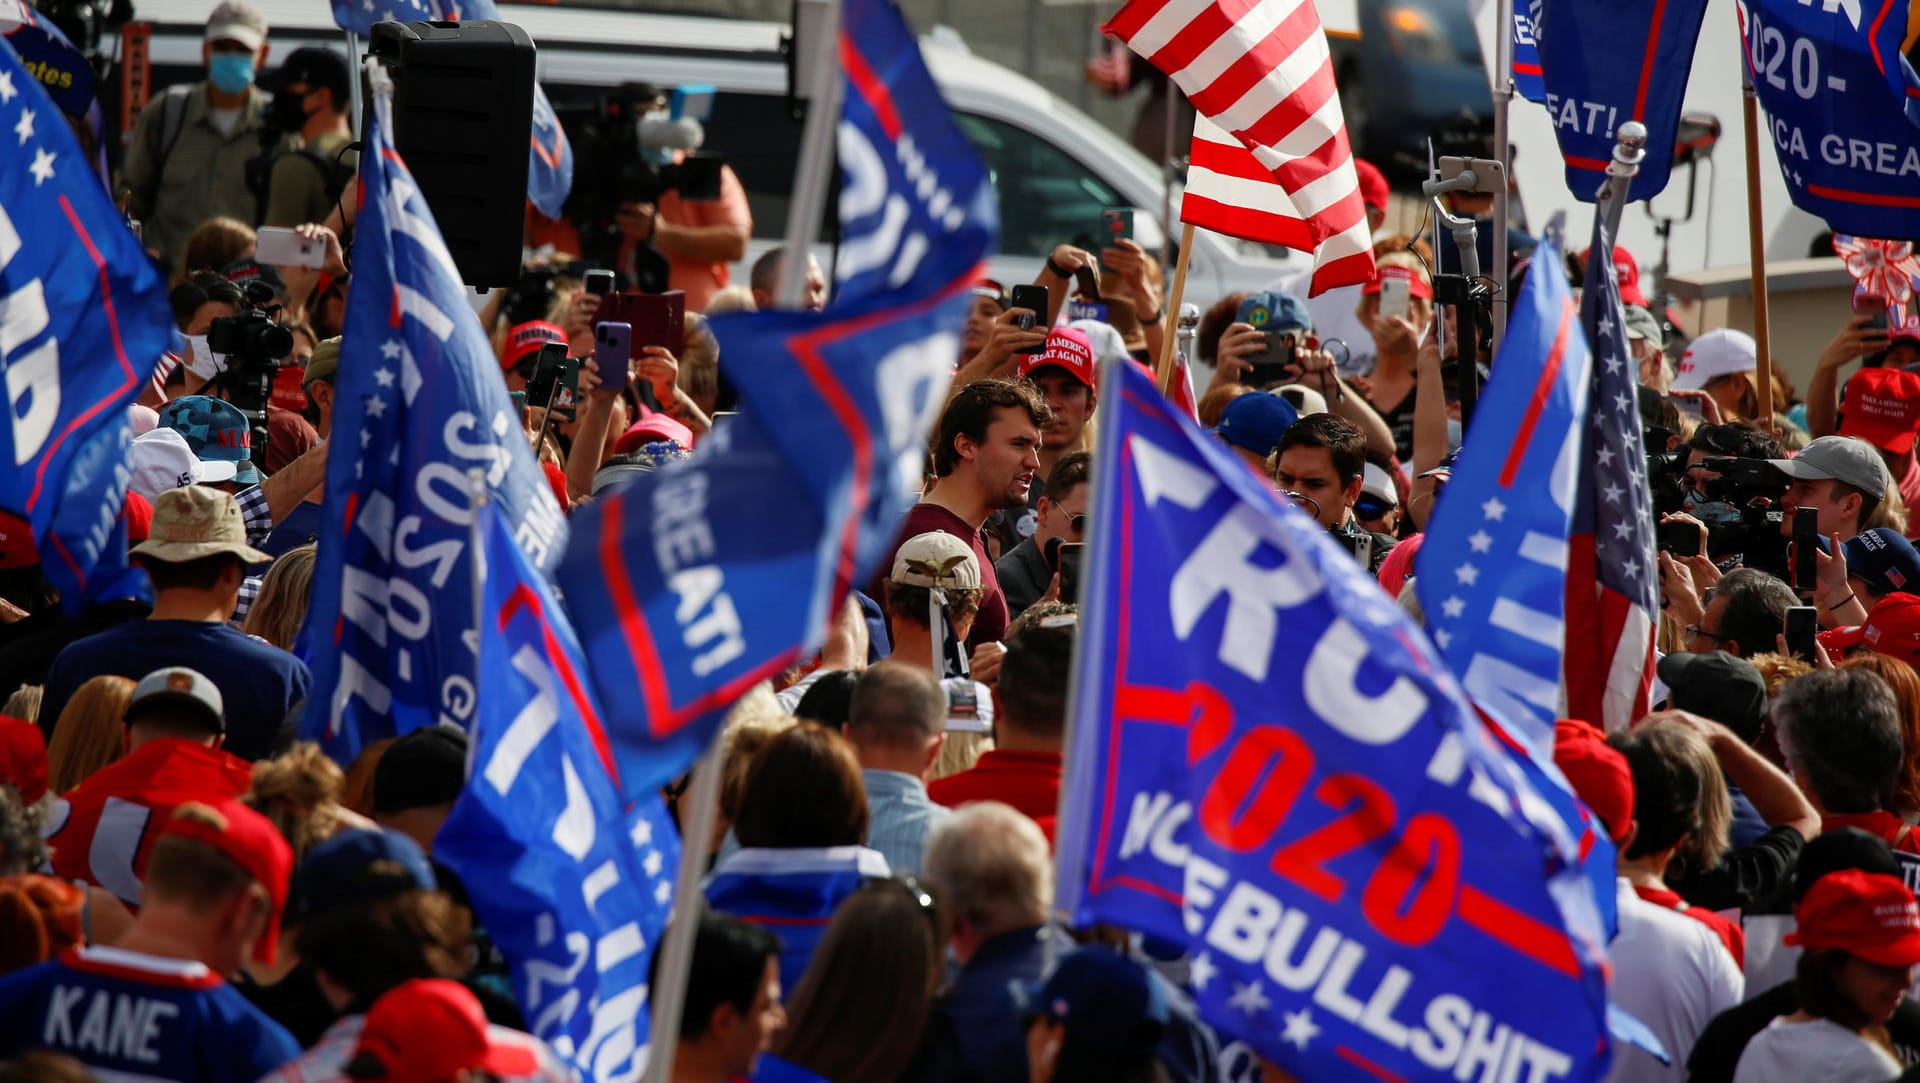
[281,247]
[1395,298]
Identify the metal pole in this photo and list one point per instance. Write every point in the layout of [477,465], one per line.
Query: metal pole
[1629,148]
[697,815]
[1166,182]
[1502,102]
[816,151]
[353,84]
[1757,256]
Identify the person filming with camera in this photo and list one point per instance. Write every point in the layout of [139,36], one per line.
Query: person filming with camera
[698,232]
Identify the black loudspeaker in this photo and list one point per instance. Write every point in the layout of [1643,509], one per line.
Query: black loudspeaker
[462,121]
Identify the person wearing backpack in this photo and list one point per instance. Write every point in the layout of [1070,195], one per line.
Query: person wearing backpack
[187,158]
[310,101]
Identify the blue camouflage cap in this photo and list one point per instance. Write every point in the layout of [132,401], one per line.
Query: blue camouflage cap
[1272,311]
[216,430]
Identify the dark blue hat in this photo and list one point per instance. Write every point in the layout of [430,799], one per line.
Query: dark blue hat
[1255,422]
[359,866]
[1106,1001]
[1885,559]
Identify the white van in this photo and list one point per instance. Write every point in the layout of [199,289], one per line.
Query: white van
[1054,168]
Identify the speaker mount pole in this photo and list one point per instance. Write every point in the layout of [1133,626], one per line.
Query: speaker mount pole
[815,59]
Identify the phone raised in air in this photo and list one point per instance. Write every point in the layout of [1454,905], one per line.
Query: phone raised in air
[657,319]
[599,282]
[613,353]
[1801,627]
[1072,559]
[1806,547]
[1033,301]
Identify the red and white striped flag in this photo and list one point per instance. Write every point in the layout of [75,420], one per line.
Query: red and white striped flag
[1271,162]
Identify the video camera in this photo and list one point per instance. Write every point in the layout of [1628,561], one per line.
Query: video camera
[1741,509]
[255,347]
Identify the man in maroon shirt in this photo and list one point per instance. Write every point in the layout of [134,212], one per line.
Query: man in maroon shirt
[984,458]
[1030,716]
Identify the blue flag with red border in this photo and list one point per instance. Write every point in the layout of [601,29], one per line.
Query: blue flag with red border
[1271,767]
[83,322]
[693,583]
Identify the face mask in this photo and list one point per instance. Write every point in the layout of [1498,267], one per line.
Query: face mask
[1711,512]
[231,73]
[200,360]
[288,112]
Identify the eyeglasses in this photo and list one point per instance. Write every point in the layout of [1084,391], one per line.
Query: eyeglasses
[1371,509]
[1695,630]
[1077,523]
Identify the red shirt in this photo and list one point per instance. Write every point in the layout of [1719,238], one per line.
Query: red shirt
[990,624]
[1029,781]
[104,829]
[1729,932]
[1879,823]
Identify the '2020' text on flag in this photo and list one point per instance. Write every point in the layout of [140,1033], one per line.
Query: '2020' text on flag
[1270,766]
[1271,159]
[420,405]
[83,322]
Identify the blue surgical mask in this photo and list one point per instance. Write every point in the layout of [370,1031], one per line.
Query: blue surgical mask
[231,73]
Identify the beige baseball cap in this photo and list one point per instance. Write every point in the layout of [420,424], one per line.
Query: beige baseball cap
[936,559]
[194,521]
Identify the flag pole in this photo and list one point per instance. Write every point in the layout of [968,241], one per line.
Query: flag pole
[1757,253]
[815,170]
[699,808]
[1502,103]
[1629,149]
[1163,366]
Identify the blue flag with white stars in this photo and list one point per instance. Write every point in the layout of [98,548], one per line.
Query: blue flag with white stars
[420,411]
[83,322]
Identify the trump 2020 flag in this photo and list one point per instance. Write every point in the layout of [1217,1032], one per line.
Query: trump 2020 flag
[1842,106]
[573,883]
[1606,62]
[420,408]
[83,322]
[693,583]
[1270,766]
[549,155]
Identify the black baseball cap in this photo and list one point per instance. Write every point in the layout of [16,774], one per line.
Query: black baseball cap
[1720,686]
[424,768]
[315,66]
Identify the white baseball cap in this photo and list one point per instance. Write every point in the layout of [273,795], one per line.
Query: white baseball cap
[1720,352]
[162,460]
[936,559]
[1374,482]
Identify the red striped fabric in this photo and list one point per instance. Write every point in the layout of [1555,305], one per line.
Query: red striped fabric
[1271,160]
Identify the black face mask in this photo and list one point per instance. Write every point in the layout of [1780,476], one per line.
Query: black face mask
[287,113]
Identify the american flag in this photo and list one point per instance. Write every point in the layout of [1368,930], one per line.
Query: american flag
[1271,162]
[1611,596]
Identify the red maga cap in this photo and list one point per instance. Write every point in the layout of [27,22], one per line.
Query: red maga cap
[1069,348]
[1869,914]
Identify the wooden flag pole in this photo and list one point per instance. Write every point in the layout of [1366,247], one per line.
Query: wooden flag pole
[1170,312]
[1757,257]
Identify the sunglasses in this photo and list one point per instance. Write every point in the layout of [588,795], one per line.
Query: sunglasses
[1077,523]
[1370,508]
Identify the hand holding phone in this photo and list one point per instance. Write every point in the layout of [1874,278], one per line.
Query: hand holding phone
[1806,549]
[1072,558]
[281,247]
[599,282]
[1801,628]
[613,353]
[1030,305]
[1396,297]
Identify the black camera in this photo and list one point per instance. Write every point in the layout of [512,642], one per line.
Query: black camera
[1742,510]
[255,347]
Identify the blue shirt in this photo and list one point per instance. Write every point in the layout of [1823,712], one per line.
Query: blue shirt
[899,817]
[140,1017]
[260,684]
[792,894]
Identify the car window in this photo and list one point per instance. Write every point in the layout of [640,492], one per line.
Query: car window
[1046,196]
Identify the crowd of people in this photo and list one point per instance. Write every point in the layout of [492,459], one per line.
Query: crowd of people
[190,891]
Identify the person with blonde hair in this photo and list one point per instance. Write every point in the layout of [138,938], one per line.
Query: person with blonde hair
[280,608]
[90,732]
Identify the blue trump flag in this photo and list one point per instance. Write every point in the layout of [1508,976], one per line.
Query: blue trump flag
[1606,62]
[1526,52]
[549,157]
[694,583]
[420,404]
[573,883]
[83,322]
[1270,767]
[1842,104]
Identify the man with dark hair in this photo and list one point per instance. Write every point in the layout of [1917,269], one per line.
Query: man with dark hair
[196,554]
[764,280]
[1840,734]
[1023,571]
[732,1008]
[417,780]
[1745,617]
[1030,719]
[175,727]
[1323,459]
[897,723]
[985,456]
[156,1006]
[310,100]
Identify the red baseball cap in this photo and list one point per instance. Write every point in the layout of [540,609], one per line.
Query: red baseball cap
[428,1029]
[525,339]
[1869,914]
[138,513]
[1599,773]
[16,542]
[1373,183]
[23,758]
[1883,408]
[651,428]
[250,841]
[1417,284]
[1627,270]
[1069,348]
[1893,627]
